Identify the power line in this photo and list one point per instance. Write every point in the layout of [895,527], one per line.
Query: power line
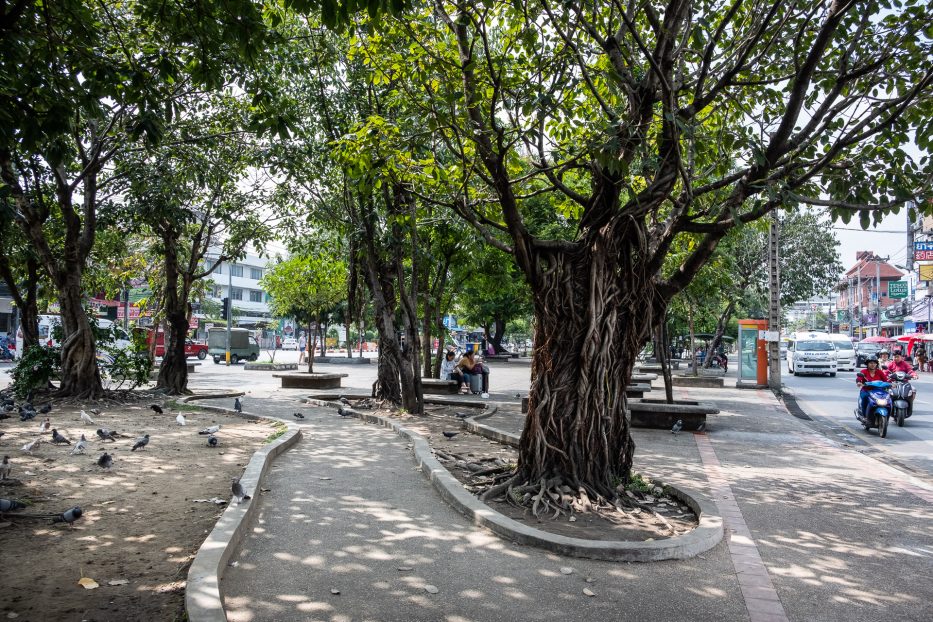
[902,232]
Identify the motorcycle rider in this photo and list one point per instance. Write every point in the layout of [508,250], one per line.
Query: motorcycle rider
[899,364]
[871,373]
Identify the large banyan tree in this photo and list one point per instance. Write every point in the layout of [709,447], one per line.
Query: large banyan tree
[656,127]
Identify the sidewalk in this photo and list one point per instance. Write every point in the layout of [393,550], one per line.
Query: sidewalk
[814,532]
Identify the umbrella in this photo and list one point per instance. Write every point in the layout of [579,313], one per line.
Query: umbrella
[911,337]
[877,339]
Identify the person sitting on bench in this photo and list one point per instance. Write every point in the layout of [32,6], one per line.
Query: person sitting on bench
[471,367]
[450,371]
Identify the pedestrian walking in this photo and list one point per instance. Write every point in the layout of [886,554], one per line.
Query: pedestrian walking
[302,348]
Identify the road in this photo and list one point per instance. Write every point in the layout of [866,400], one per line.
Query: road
[831,402]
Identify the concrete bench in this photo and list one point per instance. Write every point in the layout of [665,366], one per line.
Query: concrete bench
[644,378]
[633,391]
[304,380]
[652,413]
[710,382]
[439,386]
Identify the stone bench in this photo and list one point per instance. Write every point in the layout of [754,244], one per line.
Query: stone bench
[439,386]
[648,378]
[304,380]
[710,382]
[652,413]
[633,391]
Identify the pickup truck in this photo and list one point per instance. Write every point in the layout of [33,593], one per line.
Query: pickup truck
[192,348]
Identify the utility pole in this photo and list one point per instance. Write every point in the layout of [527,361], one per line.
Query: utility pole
[774,310]
[229,317]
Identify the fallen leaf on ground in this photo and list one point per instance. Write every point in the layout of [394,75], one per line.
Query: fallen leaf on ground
[87,583]
[404,568]
[430,589]
[589,592]
[566,570]
[118,582]
[334,591]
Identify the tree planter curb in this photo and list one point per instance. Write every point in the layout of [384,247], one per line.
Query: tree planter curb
[270,366]
[707,534]
[203,602]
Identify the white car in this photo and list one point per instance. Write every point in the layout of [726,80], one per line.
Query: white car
[289,343]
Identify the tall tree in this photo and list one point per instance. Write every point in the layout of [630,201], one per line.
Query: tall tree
[654,123]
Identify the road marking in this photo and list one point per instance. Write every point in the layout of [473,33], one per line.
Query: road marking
[761,599]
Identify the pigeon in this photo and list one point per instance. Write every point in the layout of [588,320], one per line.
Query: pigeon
[25,414]
[211,430]
[80,446]
[449,435]
[461,415]
[141,442]
[237,406]
[86,418]
[95,411]
[30,447]
[69,516]
[344,412]
[156,408]
[5,468]
[677,427]
[106,435]
[212,441]
[701,427]
[344,401]
[45,426]
[7,505]
[2,433]
[105,461]
[58,438]
[238,491]
[180,419]
[298,416]
[46,409]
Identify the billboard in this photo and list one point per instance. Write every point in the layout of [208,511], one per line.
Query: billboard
[926,272]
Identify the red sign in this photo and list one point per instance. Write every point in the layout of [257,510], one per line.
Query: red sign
[134,312]
[193,323]
[923,255]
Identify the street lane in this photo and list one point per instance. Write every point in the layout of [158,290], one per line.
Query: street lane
[834,400]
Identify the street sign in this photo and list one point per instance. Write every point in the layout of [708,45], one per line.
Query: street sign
[923,246]
[897,289]
[923,255]
[926,272]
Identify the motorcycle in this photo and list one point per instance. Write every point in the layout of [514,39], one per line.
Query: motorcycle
[902,392]
[719,361]
[879,407]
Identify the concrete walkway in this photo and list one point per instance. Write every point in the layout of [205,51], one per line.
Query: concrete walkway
[815,531]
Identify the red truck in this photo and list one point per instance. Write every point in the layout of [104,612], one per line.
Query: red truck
[192,348]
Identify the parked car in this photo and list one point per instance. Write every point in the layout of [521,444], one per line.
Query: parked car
[289,343]
[845,351]
[243,345]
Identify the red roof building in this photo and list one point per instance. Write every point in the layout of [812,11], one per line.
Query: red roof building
[858,292]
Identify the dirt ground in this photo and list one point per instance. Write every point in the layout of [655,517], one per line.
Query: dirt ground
[652,517]
[141,526]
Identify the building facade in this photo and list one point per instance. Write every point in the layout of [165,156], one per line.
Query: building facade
[866,302]
[239,281]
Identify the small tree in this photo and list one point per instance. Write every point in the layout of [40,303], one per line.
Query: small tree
[307,288]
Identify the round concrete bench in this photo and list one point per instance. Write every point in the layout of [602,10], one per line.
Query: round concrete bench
[304,380]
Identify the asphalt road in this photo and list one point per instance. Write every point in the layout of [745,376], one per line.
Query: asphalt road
[831,402]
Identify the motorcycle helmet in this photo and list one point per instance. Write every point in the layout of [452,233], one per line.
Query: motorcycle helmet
[871,359]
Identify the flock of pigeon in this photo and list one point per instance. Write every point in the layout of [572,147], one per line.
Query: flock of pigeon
[28,412]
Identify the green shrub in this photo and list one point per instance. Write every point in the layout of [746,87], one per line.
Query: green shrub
[36,369]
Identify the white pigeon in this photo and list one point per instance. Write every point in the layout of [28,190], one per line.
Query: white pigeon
[30,447]
[80,446]
[180,419]
[86,418]
[211,430]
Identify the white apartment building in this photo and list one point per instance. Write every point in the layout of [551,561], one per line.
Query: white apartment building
[239,281]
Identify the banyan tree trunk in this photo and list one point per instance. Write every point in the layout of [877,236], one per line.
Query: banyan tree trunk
[593,313]
[80,373]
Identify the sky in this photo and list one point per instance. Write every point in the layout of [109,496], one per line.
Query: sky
[888,239]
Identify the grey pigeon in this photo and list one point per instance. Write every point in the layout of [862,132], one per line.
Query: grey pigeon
[30,447]
[69,516]
[46,409]
[461,415]
[141,442]
[237,406]
[211,430]
[212,441]
[105,461]
[238,491]
[58,438]
[677,427]
[344,412]
[156,408]
[298,416]
[449,435]
[7,505]
[95,411]
[45,426]
[80,446]
[5,468]
[106,435]
[344,401]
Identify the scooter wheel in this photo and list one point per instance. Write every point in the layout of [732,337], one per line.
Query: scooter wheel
[883,427]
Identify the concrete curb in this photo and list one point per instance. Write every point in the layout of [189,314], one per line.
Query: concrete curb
[708,533]
[203,602]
